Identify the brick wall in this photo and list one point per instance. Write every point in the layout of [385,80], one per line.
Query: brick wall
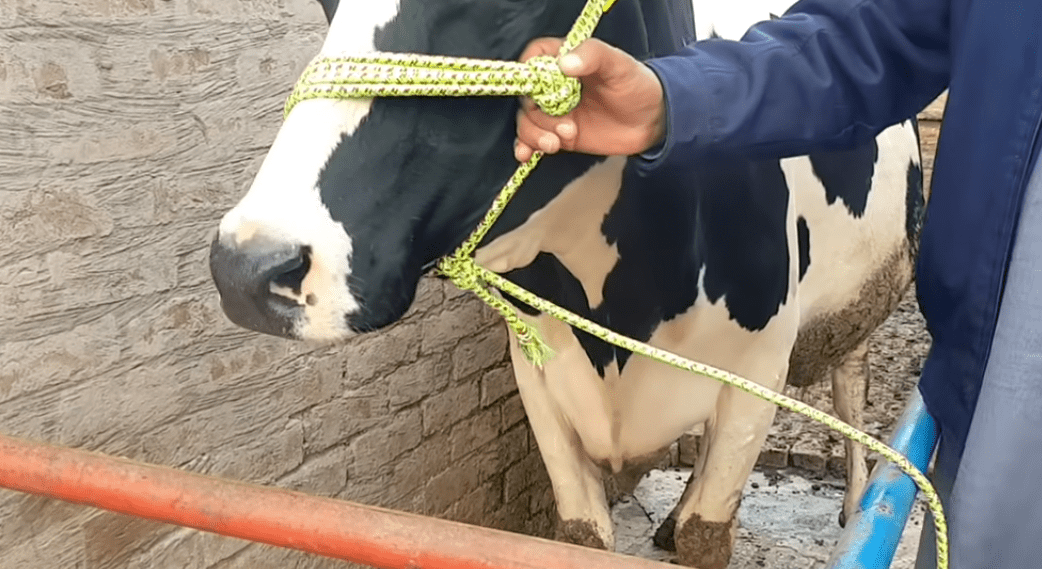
[127,127]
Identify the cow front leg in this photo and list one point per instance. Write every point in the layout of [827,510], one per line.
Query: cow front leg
[665,535]
[849,394]
[584,517]
[705,527]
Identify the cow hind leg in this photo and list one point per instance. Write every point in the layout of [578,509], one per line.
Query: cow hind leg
[849,395]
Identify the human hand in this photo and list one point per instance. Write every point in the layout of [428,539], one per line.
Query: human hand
[622,110]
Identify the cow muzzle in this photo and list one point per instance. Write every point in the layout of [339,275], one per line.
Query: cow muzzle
[260,283]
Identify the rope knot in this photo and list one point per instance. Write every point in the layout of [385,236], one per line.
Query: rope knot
[461,271]
[554,92]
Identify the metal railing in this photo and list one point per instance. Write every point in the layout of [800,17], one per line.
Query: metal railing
[870,538]
[333,528]
[388,539]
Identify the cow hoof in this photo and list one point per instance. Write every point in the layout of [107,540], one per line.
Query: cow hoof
[663,537]
[579,532]
[706,545]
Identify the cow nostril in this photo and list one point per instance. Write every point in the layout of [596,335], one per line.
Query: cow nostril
[290,275]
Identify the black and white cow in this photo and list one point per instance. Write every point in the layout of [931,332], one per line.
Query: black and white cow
[769,269]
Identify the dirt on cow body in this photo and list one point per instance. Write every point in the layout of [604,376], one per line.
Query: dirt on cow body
[896,354]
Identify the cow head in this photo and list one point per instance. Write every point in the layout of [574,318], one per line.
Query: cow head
[356,198]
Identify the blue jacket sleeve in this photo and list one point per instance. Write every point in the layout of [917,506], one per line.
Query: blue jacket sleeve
[828,75]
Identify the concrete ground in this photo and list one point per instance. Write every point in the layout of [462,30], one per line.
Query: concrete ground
[787,520]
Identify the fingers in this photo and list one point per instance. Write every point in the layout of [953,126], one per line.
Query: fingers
[536,136]
[537,131]
[522,151]
[564,127]
[592,56]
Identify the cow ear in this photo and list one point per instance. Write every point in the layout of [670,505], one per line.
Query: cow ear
[329,7]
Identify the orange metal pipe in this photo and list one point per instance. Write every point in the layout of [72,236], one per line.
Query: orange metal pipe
[334,528]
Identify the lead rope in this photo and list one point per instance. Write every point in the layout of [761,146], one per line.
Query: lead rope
[398,74]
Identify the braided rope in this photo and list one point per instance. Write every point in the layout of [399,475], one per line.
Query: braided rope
[410,75]
[396,74]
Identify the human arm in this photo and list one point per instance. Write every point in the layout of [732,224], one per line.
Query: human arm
[829,74]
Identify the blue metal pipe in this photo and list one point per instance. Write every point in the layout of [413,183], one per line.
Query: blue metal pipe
[870,538]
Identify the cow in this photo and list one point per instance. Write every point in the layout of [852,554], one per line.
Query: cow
[776,270]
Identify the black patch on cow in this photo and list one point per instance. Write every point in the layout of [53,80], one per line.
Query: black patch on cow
[329,8]
[803,240]
[915,207]
[744,235]
[407,188]
[847,175]
[725,216]
[547,277]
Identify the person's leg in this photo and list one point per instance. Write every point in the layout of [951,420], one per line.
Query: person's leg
[996,507]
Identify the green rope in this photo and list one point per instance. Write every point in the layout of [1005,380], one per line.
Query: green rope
[397,74]
[409,75]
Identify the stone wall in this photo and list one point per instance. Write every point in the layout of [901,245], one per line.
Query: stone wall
[127,127]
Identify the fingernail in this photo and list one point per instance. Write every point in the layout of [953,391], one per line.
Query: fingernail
[548,143]
[570,62]
[566,130]
[524,151]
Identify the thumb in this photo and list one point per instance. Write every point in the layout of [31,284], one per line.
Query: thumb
[591,57]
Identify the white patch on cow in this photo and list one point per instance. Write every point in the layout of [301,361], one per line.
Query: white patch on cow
[730,20]
[283,205]
[581,419]
[840,266]
[570,228]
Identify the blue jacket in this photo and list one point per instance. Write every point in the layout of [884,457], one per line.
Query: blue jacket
[848,69]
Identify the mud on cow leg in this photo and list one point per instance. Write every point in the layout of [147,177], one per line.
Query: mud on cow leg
[666,532]
[579,532]
[704,544]
[705,521]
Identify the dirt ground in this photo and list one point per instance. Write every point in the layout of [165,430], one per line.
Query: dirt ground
[787,520]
